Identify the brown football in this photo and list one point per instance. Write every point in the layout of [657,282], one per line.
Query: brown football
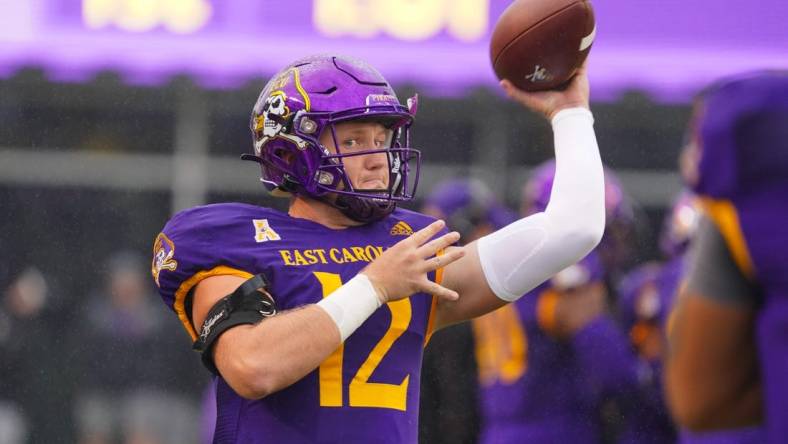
[539,44]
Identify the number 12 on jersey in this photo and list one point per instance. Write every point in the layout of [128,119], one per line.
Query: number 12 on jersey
[361,392]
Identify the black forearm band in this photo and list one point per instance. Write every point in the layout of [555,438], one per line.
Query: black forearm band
[248,304]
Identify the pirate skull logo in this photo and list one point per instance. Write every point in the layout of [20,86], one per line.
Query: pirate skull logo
[275,112]
[163,252]
[273,120]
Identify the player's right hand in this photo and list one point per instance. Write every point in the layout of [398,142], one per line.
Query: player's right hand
[402,269]
[550,102]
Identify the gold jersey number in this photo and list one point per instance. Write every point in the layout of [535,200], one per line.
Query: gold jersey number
[361,392]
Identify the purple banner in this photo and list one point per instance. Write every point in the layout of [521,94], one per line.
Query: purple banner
[669,48]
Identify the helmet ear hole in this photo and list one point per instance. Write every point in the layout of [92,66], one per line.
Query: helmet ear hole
[291,167]
[284,155]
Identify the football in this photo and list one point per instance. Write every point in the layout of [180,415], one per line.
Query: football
[540,44]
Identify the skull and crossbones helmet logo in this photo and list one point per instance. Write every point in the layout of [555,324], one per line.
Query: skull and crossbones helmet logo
[273,120]
[274,112]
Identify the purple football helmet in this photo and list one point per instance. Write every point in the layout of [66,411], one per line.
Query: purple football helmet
[586,271]
[739,133]
[311,96]
[465,204]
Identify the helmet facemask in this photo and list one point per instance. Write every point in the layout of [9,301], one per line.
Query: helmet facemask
[319,172]
[334,177]
[311,97]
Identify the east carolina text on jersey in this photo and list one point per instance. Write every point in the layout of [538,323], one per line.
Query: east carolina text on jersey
[366,253]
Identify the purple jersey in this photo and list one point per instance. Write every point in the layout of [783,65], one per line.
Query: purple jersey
[527,392]
[742,179]
[537,388]
[367,390]
[746,435]
[646,296]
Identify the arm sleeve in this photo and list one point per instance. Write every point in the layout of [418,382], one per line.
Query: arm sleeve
[712,271]
[525,253]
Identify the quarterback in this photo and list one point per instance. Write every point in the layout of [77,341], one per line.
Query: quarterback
[315,321]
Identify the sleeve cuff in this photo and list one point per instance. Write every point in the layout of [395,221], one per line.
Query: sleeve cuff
[572,113]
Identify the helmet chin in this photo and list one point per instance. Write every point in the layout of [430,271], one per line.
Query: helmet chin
[364,210]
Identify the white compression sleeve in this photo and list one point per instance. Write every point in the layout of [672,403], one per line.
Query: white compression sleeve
[520,256]
[351,304]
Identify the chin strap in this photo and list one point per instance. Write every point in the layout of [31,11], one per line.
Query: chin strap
[363,210]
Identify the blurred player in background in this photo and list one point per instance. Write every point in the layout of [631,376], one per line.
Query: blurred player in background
[286,308]
[449,387]
[469,207]
[548,362]
[646,296]
[736,291]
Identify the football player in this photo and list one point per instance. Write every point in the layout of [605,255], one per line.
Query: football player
[548,362]
[449,387]
[469,207]
[315,320]
[736,291]
[646,296]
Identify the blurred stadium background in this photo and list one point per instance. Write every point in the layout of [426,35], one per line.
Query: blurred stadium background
[114,114]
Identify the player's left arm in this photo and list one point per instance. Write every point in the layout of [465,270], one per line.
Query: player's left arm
[711,370]
[504,265]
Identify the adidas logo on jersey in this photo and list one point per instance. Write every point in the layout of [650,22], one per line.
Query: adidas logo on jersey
[401,229]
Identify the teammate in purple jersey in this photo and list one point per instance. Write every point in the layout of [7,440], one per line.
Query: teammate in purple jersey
[646,296]
[641,305]
[449,381]
[737,281]
[674,241]
[287,309]
[535,381]
[469,207]
[548,362]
